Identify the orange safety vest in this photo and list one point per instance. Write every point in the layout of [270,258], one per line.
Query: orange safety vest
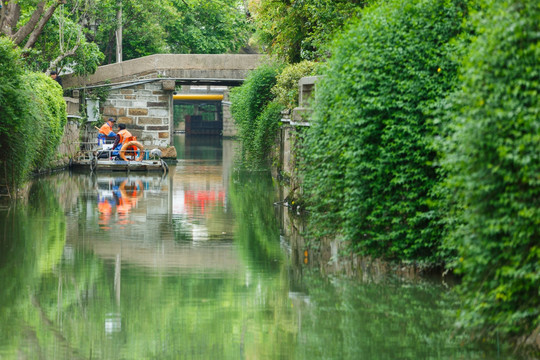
[106,129]
[125,136]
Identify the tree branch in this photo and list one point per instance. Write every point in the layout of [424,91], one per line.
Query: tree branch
[27,28]
[65,54]
[2,15]
[39,28]
[52,64]
[10,14]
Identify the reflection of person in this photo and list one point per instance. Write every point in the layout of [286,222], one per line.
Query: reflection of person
[121,198]
[127,199]
[105,212]
[56,77]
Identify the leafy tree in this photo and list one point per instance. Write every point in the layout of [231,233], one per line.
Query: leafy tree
[50,33]
[49,118]
[23,21]
[493,164]
[16,124]
[142,22]
[208,27]
[163,26]
[299,29]
[369,170]
[63,44]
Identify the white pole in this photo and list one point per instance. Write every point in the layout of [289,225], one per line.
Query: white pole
[119,32]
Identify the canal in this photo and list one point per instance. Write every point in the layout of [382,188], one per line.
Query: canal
[201,263]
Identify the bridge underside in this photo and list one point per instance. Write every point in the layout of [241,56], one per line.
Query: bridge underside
[209,82]
[176,81]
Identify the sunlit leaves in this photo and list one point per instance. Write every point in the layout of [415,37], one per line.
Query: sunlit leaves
[163,26]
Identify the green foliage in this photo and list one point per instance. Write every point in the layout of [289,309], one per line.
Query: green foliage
[207,27]
[62,34]
[48,110]
[100,93]
[17,122]
[296,30]
[493,164]
[369,161]
[266,128]
[142,27]
[33,118]
[163,26]
[286,88]
[257,105]
[256,123]
[86,59]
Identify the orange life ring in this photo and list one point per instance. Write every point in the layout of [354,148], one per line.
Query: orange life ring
[129,144]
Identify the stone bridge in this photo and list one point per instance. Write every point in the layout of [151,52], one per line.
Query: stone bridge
[141,90]
[183,68]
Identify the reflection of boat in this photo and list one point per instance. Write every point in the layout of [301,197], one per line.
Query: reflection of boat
[122,165]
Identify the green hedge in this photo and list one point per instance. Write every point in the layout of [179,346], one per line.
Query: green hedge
[257,105]
[16,124]
[33,117]
[494,165]
[49,113]
[249,102]
[369,158]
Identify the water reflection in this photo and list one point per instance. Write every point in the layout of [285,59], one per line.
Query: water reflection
[117,195]
[195,265]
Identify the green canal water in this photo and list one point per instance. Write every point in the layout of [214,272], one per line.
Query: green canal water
[197,264]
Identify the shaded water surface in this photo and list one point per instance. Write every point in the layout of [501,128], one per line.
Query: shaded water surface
[195,265]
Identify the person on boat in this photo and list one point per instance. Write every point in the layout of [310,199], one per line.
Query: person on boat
[106,130]
[122,137]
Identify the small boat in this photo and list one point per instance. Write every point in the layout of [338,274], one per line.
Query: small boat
[123,165]
[103,159]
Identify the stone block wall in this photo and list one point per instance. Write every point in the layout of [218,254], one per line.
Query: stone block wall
[146,109]
[69,145]
[229,127]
